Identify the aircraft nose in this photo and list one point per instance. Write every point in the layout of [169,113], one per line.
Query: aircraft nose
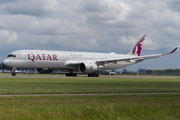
[6,62]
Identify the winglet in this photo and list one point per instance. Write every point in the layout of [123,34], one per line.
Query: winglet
[171,51]
[174,50]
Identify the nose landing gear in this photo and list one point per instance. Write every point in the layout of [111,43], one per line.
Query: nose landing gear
[14,74]
[13,71]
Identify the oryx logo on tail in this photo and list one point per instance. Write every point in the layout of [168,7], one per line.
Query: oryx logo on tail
[136,50]
[138,47]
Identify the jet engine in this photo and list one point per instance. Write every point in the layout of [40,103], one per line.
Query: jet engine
[88,67]
[44,70]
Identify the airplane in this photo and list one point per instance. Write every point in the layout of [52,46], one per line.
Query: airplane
[86,62]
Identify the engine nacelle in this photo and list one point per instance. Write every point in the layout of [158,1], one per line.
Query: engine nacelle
[44,70]
[88,67]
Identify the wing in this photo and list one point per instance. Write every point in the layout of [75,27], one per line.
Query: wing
[133,58]
[74,64]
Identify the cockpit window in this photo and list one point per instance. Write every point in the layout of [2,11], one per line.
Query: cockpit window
[11,55]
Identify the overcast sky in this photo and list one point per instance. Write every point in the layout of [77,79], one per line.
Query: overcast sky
[94,26]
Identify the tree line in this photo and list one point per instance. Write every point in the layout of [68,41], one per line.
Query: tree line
[166,71]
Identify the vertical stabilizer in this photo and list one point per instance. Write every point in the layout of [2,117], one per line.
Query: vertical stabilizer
[136,50]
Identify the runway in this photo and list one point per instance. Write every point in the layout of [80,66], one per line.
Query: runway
[84,76]
[92,94]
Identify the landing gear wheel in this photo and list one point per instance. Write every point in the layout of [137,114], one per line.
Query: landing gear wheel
[67,74]
[71,74]
[89,74]
[93,74]
[13,74]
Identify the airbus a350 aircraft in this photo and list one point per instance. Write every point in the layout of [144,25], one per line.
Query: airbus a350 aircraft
[85,62]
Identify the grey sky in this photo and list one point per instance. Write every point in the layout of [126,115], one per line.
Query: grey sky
[91,25]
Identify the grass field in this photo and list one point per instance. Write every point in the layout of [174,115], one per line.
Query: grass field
[125,107]
[115,107]
[86,85]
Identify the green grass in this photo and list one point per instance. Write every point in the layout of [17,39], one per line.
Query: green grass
[125,107]
[115,107]
[86,85]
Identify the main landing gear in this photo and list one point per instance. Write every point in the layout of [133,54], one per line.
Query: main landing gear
[75,74]
[93,75]
[71,74]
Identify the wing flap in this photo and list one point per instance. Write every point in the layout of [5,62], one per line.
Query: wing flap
[114,60]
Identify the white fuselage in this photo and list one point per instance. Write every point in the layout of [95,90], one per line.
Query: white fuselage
[59,59]
[85,62]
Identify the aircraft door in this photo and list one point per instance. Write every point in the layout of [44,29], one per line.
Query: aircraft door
[61,57]
[24,56]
